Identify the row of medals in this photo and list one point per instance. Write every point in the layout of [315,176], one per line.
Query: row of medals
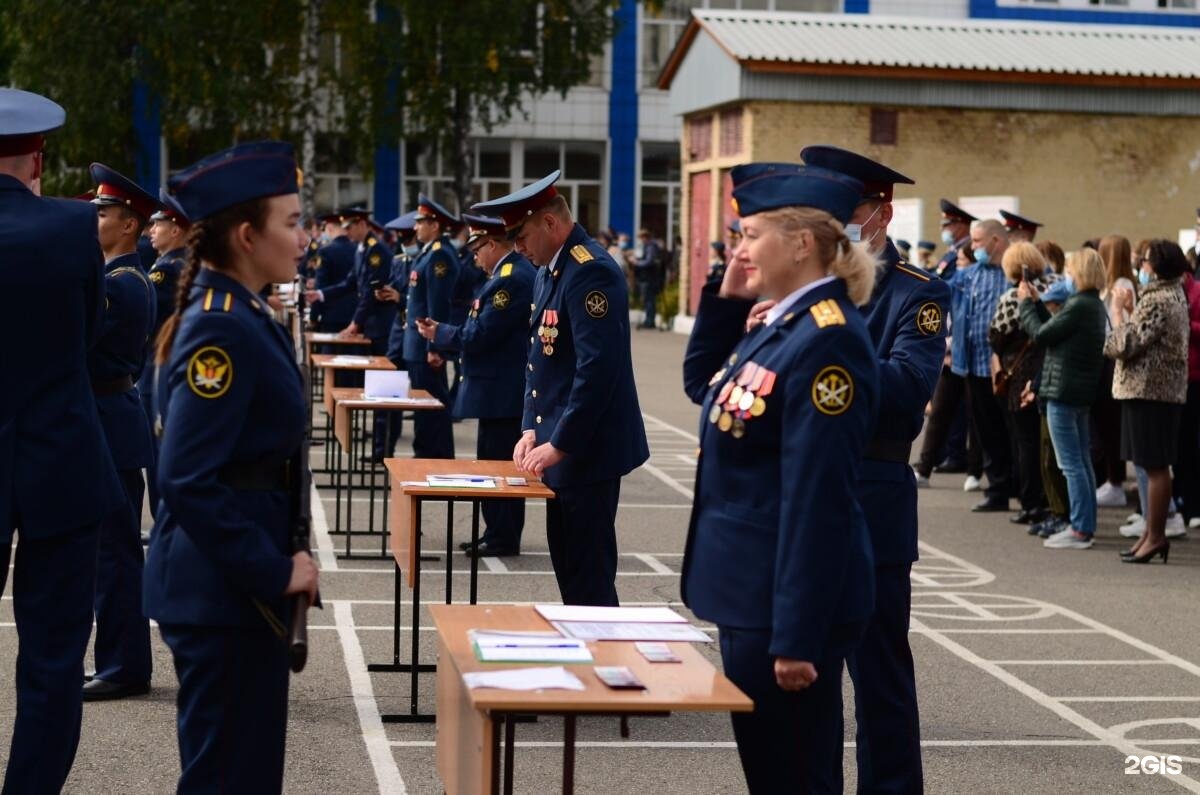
[738,406]
[547,334]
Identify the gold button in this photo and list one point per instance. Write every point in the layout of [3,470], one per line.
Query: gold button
[534,393]
[539,420]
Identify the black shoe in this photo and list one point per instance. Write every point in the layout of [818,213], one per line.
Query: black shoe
[486,549]
[1052,526]
[145,539]
[100,690]
[1028,516]
[951,467]
[992,505]
[372,459]
[1163,550]
[464,546]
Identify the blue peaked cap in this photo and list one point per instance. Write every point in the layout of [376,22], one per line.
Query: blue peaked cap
[239,174]
[758,187]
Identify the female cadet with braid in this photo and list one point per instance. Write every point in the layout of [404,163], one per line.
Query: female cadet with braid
[231,412]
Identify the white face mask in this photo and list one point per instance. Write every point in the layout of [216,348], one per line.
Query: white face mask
[854,231]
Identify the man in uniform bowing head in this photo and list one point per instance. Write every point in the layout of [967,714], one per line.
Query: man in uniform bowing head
[581,426]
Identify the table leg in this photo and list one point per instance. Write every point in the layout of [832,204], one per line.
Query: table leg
[387,485]
[494,785]
[474,543]
[371,504]
[568,786]
[449,549]
[510,742]
[352,432]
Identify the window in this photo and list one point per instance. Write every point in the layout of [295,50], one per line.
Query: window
[731,132]
[541,157]
[660,162]
[884,124]
[661,28]
[658,209]
[699,137]
[584,160]
[495,158]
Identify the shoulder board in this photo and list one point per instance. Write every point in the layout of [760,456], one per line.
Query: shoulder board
[371,241]
[908,270]
[827,313]
[217,302]
[506,270]
[581,254]
[437,246]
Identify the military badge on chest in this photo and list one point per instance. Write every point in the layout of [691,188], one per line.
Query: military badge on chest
[548,331]
[475,308]
[741,399]
[413,278]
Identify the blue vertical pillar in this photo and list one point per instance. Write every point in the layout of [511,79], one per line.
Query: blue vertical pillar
[857,6]
[147,133]
[386,205]
[623,120]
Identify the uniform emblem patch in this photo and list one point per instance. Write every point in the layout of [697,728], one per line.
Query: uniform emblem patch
[374,260]
[316,262]
[596,304]
[500,299]
[439,270]
[210,372]
[832,391]
[157,277]
[929,319]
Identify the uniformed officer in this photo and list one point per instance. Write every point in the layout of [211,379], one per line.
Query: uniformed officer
[168,232]
[1019,228]
[903,247]
[333,265]
[494,352]
[430,288]
[232,407]
[114,365]
[956,233]
[52,304]
[582,429]
[396,292]
[925,249]
[905,318]
[778,553]
[470,279]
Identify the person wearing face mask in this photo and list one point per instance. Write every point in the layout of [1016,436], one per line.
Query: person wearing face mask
[956,235]
[905,318]
[332,265]
[975,293]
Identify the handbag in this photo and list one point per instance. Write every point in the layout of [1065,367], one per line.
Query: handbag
[1002,378]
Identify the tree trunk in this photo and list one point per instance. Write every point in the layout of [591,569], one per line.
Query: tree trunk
[460,149]
[310,50]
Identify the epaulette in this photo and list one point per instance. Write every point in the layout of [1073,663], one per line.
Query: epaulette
[506,270]
[214,303]
[906,269]
[827,313]
[437,246]
[581,255]
[371,242]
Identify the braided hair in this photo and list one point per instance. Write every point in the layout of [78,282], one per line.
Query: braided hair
[208,242]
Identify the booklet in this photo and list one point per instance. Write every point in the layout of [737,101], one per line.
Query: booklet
[527,647]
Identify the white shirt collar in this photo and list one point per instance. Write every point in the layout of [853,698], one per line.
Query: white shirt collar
[554,260]
[777,311]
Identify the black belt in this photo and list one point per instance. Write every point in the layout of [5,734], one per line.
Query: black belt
[112,386]
[893,450]
[266,475]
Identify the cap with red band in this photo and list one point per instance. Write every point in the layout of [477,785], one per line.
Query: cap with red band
[112,188]
[25,118]
[515,208]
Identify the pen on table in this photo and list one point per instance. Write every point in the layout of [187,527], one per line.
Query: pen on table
[535,646]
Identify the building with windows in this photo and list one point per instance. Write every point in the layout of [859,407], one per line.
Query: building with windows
[1088,128]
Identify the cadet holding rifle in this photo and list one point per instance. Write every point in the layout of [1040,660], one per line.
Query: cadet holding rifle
[230,403]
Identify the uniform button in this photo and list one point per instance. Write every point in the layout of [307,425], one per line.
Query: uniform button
[531,340]
[539,419]
[534,393]
[530,366]
[460,378]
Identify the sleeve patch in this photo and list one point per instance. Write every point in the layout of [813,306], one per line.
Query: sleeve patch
[210,372]
[581,255]
[832,391]
[374,260]
[595,303]
[501,300]
[440,269]
[158,277]
[929,319]
[828,313]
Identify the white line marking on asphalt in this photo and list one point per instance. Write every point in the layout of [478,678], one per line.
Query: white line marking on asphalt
[666,426]
[1129,699]
[667,479]
[1080,662]
[387,774]
[320,527]
[654,564]
[688,460]
[686,745]
[495,566]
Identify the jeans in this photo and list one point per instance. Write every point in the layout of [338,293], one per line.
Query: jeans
[1069,432]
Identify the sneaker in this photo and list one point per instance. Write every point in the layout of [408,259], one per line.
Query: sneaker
[922,481]
[1052,526]
[1110,496]
[1133,517]
[1175,526]
[1067,538]
[1194,523]
[972,483]
[1133,529]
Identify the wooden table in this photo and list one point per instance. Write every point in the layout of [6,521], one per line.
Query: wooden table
[348,403]
[324,364]
[404,524]
[469,721]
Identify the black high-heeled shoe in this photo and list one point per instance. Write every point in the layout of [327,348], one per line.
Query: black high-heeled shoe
[1164,550]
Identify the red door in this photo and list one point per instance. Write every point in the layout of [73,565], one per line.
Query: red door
[700,234]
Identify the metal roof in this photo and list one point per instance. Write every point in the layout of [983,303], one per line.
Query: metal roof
[948,49]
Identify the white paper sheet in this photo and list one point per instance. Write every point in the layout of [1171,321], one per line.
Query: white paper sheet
[461,482]
[623,630]
[552,678]
[385,384]
[633,615]
[350,359]
[528,647]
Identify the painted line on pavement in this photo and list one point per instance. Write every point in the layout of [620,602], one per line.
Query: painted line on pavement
[320,527]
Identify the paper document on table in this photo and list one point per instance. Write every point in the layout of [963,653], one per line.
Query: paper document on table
[625,630]
[555,678]
[527,647]
[461,481]
[351,359]
[635,615]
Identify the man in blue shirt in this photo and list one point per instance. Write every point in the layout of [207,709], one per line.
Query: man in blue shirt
[975,291]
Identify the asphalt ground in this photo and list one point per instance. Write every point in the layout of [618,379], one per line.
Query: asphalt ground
[1038,670]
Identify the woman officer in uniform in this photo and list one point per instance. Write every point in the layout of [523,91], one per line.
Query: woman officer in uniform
[231,413]
[778,554]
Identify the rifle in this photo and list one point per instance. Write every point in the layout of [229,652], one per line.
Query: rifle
[301,482]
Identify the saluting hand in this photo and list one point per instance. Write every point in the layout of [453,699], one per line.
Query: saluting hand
[734,284]
[427,328]
[304,577]
[541,458]
[794,674]
[526,443]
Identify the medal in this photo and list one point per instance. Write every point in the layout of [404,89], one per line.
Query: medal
[758,407]
[725,421]
[735,396]
[739,429]
[717,376]
[714,414]
[553,333]
[541,331]
[747,401]
[724,393]
[548,350]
